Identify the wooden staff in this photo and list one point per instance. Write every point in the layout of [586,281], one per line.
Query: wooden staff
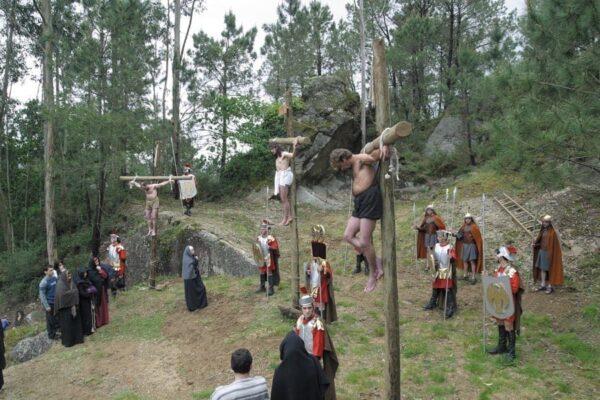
[389,135]
[483,262]
[388,226]
[156,178]
[290,140]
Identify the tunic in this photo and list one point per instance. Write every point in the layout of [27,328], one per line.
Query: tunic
[443,274]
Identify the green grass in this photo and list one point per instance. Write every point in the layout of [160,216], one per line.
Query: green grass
[570,343]
[204,394]
[591,313]
[135,327]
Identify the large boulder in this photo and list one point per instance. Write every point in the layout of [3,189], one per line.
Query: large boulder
[216,255]
[331,118]
[31,347]
[447,136]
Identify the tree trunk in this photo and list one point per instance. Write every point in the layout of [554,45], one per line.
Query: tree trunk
[363,73]
[466,119]
[388,231]
[450,56]
[48,101]
[176,94]
[224,123]
[6,213]
[293,202]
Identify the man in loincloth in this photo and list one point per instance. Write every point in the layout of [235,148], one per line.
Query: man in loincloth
[152,203]
[368,204]
[284,178]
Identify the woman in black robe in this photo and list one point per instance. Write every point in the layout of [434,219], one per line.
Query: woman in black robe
[300,375]
[66,308]
[87,299]
[195,292]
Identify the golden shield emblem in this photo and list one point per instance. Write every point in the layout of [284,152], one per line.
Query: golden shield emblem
[497,296]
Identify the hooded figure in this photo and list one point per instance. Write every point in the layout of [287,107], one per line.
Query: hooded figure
[99,275]
[299,376]
[2,359]
[66,307]
[195,291]
[87,301]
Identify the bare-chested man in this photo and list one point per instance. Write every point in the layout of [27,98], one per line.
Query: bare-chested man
[284,178]
[152,203]
[368,204]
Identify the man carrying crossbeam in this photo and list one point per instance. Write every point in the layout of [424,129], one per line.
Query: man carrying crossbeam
[368,204]
[152,203]
[284,176]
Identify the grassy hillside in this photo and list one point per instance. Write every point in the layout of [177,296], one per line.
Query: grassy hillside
[155,349]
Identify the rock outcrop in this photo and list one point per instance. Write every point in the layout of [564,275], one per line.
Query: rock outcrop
[216,255]
[447,136]
[31,347]
[331,118]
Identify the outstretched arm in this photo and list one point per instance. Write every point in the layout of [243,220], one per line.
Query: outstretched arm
[291,155]
[157,185]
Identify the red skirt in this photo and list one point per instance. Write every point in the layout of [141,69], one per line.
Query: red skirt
[441,283]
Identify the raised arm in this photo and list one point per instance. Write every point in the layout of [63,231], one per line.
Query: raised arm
[287,154]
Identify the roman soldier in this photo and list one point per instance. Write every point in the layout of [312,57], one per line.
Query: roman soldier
[427,237]
[319,277]
[269,250]
[117,256]
[444,286]
[312,330]
[510,327]
[469,247]
[187,189]
[547,257]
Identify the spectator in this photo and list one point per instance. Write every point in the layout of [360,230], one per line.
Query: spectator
[66,309]
[47,289]
[243,386]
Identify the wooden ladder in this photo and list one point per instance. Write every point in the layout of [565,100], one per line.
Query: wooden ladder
[518,213]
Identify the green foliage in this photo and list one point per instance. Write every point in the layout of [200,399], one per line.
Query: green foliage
[16,334]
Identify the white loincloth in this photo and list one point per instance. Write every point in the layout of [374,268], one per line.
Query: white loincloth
[283,178]
[187,189]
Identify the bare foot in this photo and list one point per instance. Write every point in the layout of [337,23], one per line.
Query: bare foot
[289,221]
[153,233]
[379,264]
[149,232]
[282,223]
[371,284]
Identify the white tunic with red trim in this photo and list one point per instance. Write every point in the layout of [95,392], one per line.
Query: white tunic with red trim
[267,244]
[312,332]
[443,275]
[117,256]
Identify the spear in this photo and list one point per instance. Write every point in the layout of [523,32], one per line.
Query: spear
[267,221]
[451,223]
[416,234]
[446,202]
[483,261]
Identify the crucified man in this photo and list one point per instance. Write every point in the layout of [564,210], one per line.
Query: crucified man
[368,205]
[152,203]
[284,178]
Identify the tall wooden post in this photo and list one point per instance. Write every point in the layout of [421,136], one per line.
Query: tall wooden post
[153,261]
[292,196]
[388,230]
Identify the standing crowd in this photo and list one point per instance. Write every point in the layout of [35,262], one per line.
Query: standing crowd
[76,303]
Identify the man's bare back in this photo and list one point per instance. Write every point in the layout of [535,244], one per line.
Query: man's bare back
[363,171]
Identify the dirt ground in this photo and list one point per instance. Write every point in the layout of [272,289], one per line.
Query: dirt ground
[155,349]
